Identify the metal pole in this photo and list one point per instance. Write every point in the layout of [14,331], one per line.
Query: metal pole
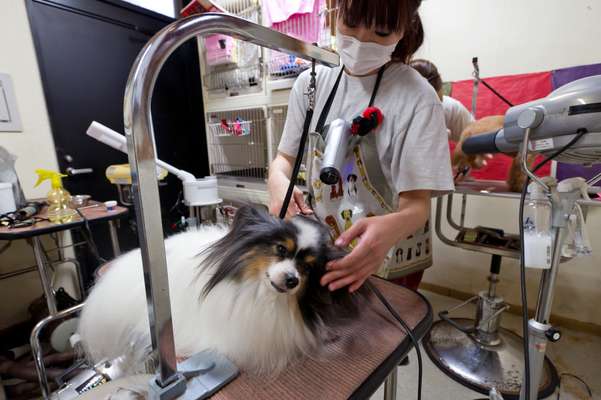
[36,349]
[524,160]
[463,207]
[450,219]
[548,278]
[476,82]
[142,154]
[594,180]
[38,252]
[390,385]
[539,326]
[114,238]
[539,329]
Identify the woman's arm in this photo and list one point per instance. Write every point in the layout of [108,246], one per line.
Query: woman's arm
[377,235]
[277,185]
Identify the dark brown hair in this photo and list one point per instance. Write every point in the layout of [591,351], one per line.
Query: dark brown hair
[393,15]
[429,71]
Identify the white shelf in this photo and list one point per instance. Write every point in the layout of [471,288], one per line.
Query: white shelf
[269,98]
[246,193]
[280,84]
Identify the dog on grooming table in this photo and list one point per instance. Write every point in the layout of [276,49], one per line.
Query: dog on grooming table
[251,293]
[515,177]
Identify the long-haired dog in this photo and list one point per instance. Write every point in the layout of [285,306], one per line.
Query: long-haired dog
[251,293]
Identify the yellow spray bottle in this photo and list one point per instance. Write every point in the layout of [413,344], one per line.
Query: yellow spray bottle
[59,199]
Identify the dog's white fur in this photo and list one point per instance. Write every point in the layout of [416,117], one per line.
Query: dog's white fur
[249,322]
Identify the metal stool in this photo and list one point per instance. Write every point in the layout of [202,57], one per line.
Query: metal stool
[478,353]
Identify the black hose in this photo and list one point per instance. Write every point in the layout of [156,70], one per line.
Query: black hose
[297,163]
[407,330]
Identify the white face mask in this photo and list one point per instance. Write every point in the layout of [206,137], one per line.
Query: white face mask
[360,57]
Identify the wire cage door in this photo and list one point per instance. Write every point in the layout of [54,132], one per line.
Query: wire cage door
[237,143]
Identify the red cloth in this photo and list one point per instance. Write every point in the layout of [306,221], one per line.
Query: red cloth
[517,89]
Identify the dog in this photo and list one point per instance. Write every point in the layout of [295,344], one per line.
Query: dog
[515,176]
[250,293]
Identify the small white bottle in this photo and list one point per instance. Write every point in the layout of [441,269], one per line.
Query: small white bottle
[538,239]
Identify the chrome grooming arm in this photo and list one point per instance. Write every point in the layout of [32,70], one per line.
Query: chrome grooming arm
[142,155]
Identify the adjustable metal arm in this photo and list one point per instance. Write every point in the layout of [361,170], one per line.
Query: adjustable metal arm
[141,151]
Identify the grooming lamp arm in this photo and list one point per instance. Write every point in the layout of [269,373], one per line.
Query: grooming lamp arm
[142,153]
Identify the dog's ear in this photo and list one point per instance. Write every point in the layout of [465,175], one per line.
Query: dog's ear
[248,216]
[334,252]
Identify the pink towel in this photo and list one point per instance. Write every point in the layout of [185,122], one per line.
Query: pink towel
[280,10]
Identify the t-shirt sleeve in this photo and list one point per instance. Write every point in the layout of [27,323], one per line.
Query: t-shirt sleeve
[459,118]
[421,159]
[295,119]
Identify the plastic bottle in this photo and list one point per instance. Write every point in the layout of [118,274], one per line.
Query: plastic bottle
[59,210]
[538,239]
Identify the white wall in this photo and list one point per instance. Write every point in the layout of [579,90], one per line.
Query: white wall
[33,147]
[512,37]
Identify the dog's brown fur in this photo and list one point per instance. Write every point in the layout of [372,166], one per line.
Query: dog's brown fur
[515,177]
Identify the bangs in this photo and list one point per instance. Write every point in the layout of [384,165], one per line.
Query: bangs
[391,15]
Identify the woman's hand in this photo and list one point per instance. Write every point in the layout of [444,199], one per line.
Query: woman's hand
[277,193]
[376,236]
[484,125]
[277,186]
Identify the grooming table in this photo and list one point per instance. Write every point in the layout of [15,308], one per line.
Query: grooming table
[358,361]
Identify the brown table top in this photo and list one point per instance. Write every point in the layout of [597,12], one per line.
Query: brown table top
[93,215]
[356,364]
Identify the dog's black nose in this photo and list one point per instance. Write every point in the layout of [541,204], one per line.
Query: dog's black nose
[291,281]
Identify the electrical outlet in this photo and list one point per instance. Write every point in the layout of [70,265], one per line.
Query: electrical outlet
[9,114]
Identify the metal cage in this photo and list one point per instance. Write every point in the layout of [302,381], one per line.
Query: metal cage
[237,143]
[233,65]
[277,119]
[314,27]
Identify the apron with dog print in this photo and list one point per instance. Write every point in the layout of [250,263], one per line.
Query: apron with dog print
[356,196]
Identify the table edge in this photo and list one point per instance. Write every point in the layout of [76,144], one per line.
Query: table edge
[61,227]
[379,375]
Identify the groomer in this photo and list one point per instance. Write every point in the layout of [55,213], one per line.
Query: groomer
[394,169]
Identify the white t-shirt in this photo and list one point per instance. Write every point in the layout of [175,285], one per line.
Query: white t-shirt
[412,144]
[456,117]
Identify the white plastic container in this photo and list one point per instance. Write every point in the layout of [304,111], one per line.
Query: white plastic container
[538,240]
[7,198]
[201,192]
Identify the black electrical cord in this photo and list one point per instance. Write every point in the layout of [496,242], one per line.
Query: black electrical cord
[89,238]
[525,317]
[297,164]
[499,95]
[407,330]
[301,145]
[579,379]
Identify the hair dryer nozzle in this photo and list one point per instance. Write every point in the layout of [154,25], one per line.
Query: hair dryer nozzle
[485,143]
[337,141]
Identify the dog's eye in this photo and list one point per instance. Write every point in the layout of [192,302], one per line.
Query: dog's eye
[281,250]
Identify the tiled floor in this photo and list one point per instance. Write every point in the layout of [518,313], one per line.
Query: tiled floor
[576,353]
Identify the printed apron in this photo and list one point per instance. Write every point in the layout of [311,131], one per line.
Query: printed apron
[356,197]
